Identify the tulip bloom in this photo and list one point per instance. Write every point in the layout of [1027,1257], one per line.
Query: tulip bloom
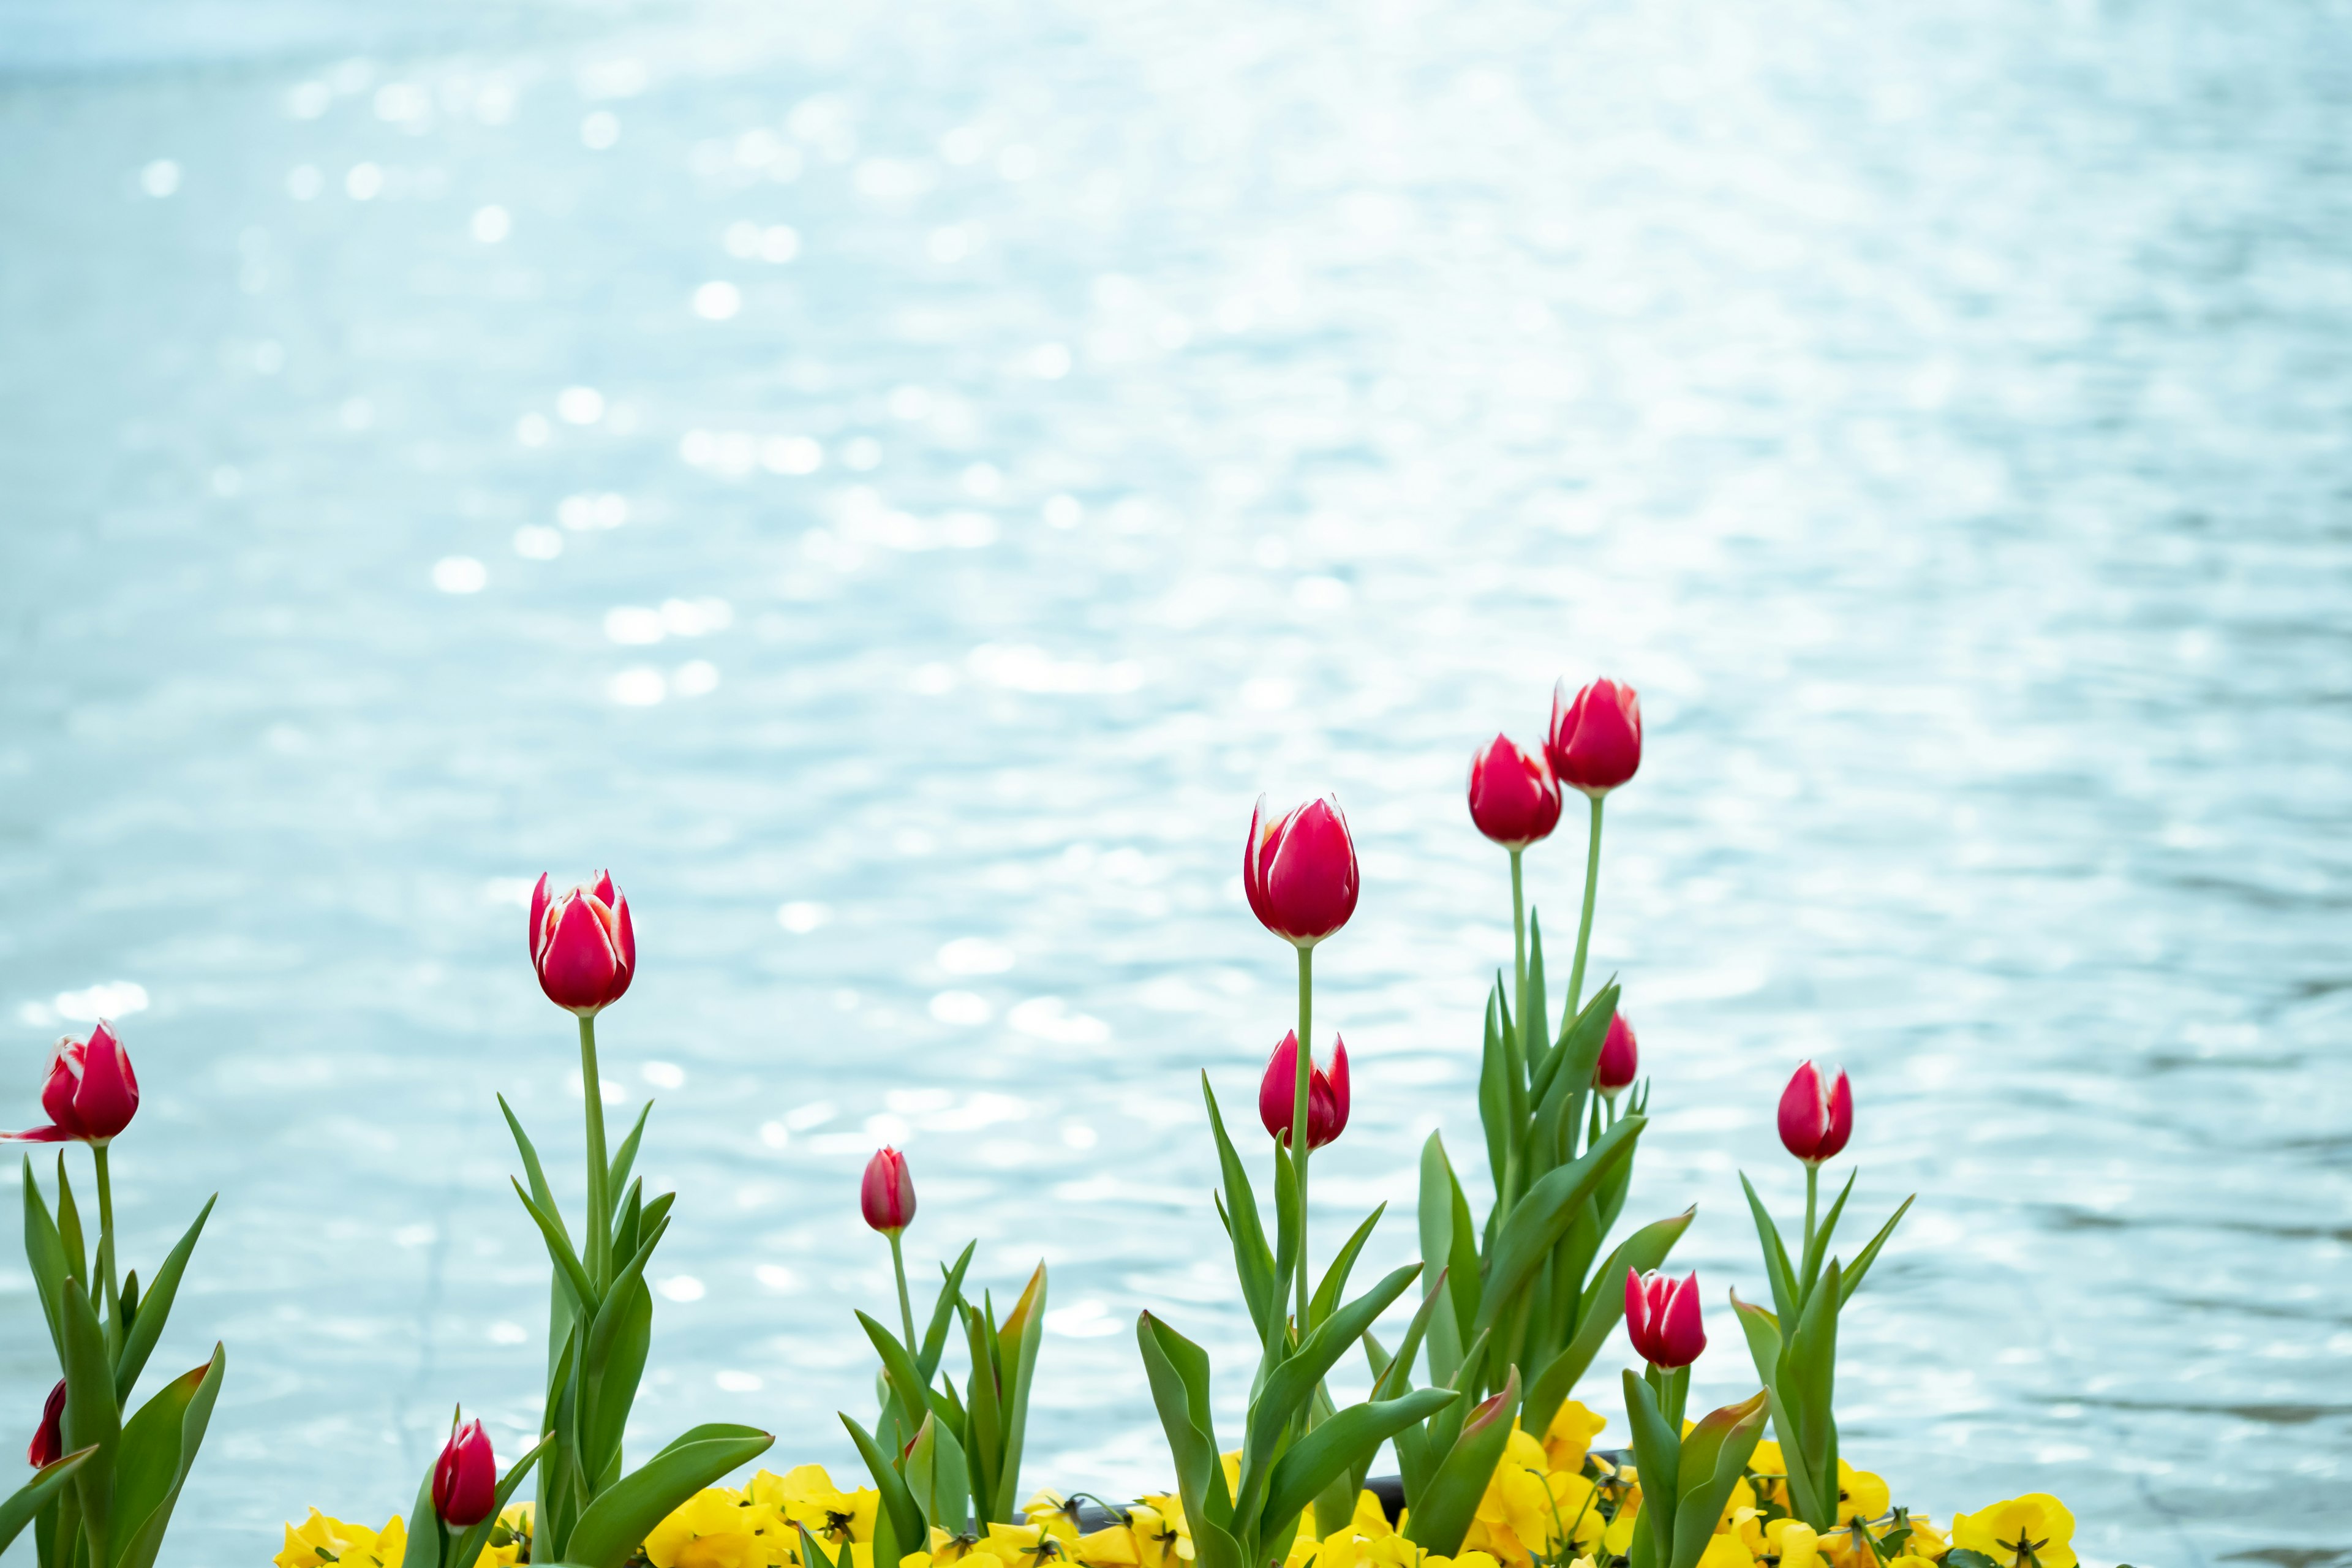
[887,1193]
[1595,742]
[48,1442]
[1299,872]
[1327,1094]
[89,1092]
[1662,1319]
[583,946]
[1620,1059]
[1816,1120]
[1514,799]
[465,1478]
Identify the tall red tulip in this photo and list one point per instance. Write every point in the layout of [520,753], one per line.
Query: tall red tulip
[1595,742]
[887,1193]
[1514,799]
[89,1091]
[465,1478]
[1327,1093]
[583,945]
[1299,872]
[1816,1119]
[48,1442]
[1620,1058]
[1662,1319]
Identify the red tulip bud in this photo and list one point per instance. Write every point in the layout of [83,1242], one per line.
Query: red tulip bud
[1300,872]
[89,1092]
[1620,1059]
[583,946]
[1662,1319]
[1816,1120]
[1514,799]
[887,1193]
[1596,740]
[49,1439]
[1327,1093]
[465,1477]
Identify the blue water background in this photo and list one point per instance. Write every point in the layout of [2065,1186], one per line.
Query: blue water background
[895,481]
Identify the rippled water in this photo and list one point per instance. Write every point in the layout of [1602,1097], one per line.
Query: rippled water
[896,482]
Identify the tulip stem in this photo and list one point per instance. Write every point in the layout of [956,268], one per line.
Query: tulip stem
[1584,926]
[105,1235]
[1298,1112]
[1813,1203]
[599,1197]
[906,1308]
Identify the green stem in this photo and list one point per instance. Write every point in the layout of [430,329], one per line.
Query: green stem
[1584,926]
[906,1304]
[113,1294]
[1812,1205]
[1518,943]
[1518,1041]
[1299,1104]
[600,1197]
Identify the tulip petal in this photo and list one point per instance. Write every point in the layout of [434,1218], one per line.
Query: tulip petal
[603,889]
[108,1095]
[538,900]
[1839,1117]
[1253,873]
[578,967]
[1804,1115]
[64,1079]
[1684,1331]
[1277,1091]
[628,935]
[39,1135]
[1339,1083]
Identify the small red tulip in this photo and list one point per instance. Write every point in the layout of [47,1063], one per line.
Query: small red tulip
[1620,1058]
[1662,1319]
[887,1193]
[465,1478]
[1514,799]
[49,1440]
[1300,871]
[89,1092]
[1327,1093]
[583,945]
[1595,742]
[1816,1119]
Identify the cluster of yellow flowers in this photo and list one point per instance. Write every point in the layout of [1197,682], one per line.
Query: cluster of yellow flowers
[1553,1502]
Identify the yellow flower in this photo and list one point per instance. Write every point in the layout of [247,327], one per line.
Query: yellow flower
[1054,1514]
[319,1540]
[2035,1528]
[1860,1495]
[1725,1551]
[1570,1436]
[1926,1540]
[1743,1496]
[1371,1518]
[1113,1546]
[1910,1560]
[1619,1537]
[805,1495]
[1771,1471]
[1574,1504]
[1233,1461]
[1160,1538]
[1021,1545]
[718,1527]
[1396,1551]
[1795,1542]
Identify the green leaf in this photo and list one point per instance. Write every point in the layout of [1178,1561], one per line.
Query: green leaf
[558,1247]
[93,1416]
[1253,1262]
[147,1325]
[1544,1215]
[1600,1310]
[608,1384]
[1712,1455]
[1018,1340]
[814,1555]
[1340,1444]
[626,1156]
[1806,1382]
[26,1503]
[1566,1076]
[1495,1089]
[984,1428]
[69,1226]
[1869,1255]
[1821,1243]
[159,1448]
[1658,1449]
[1179,1372]
[1441,1516]
[939,1480]
[1335,1278]
[428,1537]
[613,1526]
[935,1334]
[1392,1375]
[541,1193]
[470,1544]
[1293,1382]
[898,1502]
[899,1368]
[1782,1279]
[1962,1557]
[1434,1218]
[1533,1010]
[45,1249]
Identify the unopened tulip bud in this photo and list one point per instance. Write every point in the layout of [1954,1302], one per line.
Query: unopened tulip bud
[1662,1319]
[1620,1059]
[583,946]
[465,1478]
[48,1439]
[887,1193]
[1327,1093]
[1595,742]
[1299,872]
[1816,1119]
[1514,799]
[89,1091]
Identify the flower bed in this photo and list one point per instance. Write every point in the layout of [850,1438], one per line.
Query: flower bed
[1507,1314]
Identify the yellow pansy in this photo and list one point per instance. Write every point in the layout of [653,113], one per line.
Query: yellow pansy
[1570,1436]
[1054,1514]
[1860,1495]
[1619,1537]
[1394,1551]
[2035,1528]
[1743,1496]
[1575,1505]
[1926,1540]
[1726,1551]
[319,1540]
[1233,1465]
[1910,1560]
[805,1495]
[1158,1541]
[1113,1546]
[1771,1471]
[1020,1545]
[1371,1518]
[718,1527]
[1795,1542]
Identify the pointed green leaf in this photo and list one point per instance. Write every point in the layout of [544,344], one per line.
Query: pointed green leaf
[613,1527]
[45,1249]
[1777,1272]
[470,1544]
[1253,1262]
[1018,1340]
[1851,1280]
[159,1447]
[626,1156]
[1336,1446]
[1335,1278]
[939,1480]
[558,1247]
[26,1503]
[93,1417]
[541,1193]
[1179,1372]
[1495,1089]
[935,1335]
[1438,1518]
[148,1322]
[1434,1216]
[1600,1310]
[1714,1454]
[1293,1382]
[1544,1215]
[1658,1449]
[1533,1010]
[1821,1244]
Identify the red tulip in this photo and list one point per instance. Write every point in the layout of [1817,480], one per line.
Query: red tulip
[1595,742]
[465,1478]
[49,1440]
[1816,1119]
[89,1092]
[887,1193]
[1620,1058]
[583,945]
[1327,1093]
[1662,1319]
[1300,872]
[1514,799]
